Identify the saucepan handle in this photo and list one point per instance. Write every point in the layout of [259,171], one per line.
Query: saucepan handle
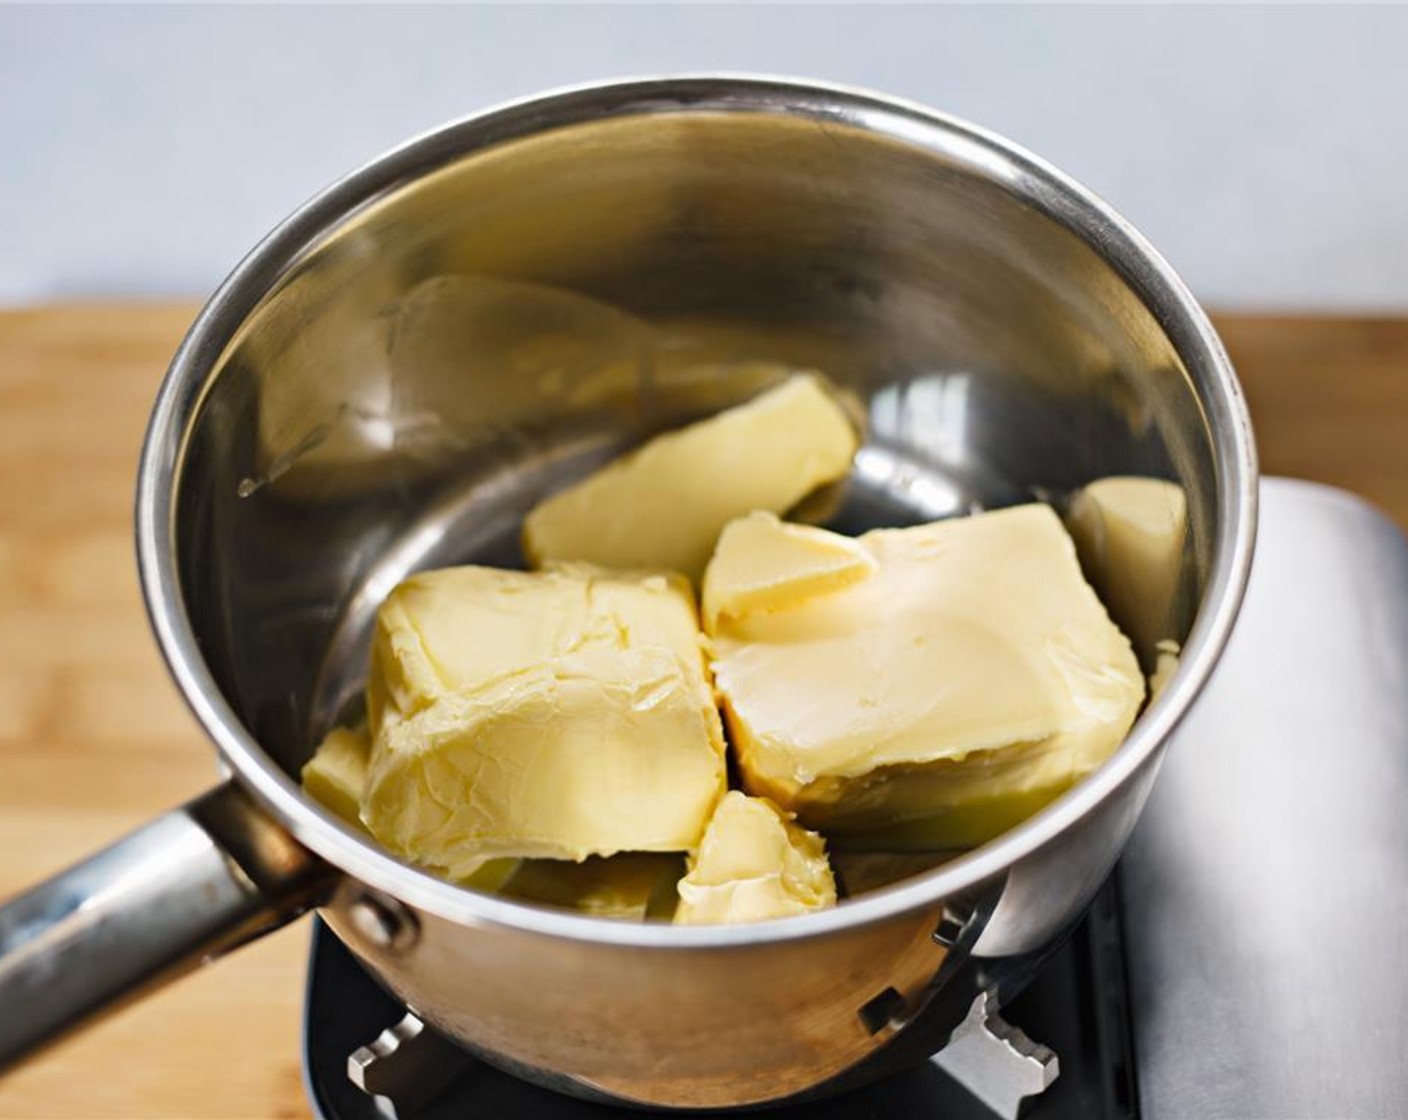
[176,893]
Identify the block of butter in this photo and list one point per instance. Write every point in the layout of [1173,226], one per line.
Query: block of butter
[556,714]
[964,676]
[664,505]
[754,864]
[336,776]
[763,564]
[337,772]
[1130,534]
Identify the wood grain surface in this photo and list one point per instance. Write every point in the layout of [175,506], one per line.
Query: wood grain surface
[94,740]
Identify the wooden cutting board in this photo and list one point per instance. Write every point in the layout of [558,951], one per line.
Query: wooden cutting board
[94,740]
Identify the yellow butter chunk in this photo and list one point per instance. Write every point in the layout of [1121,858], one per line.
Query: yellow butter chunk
[970,677]
[337,775]
[765,564]
[337,772]
[555,714]
[754,864]
[1166,663]
[632,886]
[1130,533]
[664,505]
[460,630]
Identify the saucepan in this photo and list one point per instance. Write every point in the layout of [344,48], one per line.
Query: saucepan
[400,369]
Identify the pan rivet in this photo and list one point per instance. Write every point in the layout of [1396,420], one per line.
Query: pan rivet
[383,921]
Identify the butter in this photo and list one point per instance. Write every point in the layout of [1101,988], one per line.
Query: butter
[664,505]
[1166,664]
[455,631]
[754,864]
[969,677]
[336,775]
[337,772]
[763,564]
[555,715]
[630,887]
[1130,534]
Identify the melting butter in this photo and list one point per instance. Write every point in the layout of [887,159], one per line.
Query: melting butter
[664,505]
[632,886]
[754,864]
[969,677]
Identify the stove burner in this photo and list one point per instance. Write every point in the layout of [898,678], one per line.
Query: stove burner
[366,1059]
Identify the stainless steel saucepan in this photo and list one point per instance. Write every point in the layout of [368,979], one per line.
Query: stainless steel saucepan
[404,365]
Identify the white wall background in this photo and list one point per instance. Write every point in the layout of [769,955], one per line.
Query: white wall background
[142,151]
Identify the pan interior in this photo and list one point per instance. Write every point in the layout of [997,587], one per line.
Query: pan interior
[464,343]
